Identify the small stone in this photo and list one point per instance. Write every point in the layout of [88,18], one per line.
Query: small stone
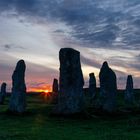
[55,91]
[55,86]
[129,95]
[3,93]
[92,86]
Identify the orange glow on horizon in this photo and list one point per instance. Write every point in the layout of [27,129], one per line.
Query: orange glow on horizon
[44,89]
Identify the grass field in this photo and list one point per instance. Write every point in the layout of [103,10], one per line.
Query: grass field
[37,124]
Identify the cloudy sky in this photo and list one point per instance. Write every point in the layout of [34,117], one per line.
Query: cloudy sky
[102,30]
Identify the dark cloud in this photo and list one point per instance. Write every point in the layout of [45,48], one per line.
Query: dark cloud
[17,4]
[8,47]
[135,65]
[90,62]
[138,57]
[100,23]
[104,37]
[127,63]
[93,22]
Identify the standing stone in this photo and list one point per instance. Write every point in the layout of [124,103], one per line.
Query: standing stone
[129,96]
[71,97]
[55,91]
[108,88]
[18,97]
[92,86]
[2,93]
[55,86]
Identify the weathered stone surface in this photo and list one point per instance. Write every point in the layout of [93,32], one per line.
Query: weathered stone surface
[129,95]
[55,86]
[2,93]
[18,97]
[71,98]
[108,88]
[92,86]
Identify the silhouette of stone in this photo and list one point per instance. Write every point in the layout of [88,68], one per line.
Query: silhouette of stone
[92,86]
[55,91]
[71,97]
[129,96]
[2,93]
[18,97]
[108,88]
[55,86]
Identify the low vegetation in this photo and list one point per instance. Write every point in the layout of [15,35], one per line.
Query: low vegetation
[38,124]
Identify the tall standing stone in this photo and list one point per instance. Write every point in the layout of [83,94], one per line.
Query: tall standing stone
[18,97]
[2,93]
[71,98]
[129,96]
[108,88]
[55,86]
[92,86]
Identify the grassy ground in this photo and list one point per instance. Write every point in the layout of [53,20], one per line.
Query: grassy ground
[38,125]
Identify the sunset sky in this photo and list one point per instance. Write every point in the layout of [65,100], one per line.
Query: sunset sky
[102,30]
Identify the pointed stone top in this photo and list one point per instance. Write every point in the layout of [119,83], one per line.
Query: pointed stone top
[91,74]
[129,81]
[55,79]
[104,68]
[20,65]
[105,65]
[129,77]
[3,86]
